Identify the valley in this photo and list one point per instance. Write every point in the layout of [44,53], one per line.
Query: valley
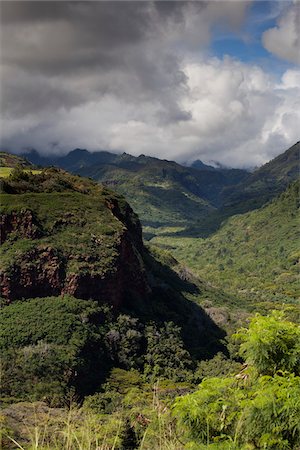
[108,326]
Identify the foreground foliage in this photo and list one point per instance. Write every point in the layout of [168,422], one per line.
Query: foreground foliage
[240,411]
[252,410]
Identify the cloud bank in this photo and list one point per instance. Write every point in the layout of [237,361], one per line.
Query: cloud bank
[284,39]
[137,77]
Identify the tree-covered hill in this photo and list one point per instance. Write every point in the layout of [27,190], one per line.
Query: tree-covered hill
[266,182]
[162,192]
[254,255]
[81,294]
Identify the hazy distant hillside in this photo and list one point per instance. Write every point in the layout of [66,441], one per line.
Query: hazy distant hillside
[255,190]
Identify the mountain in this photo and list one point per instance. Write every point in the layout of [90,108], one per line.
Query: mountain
[74,160]
[81,294]
[264,183]
[254,255]
[255,190]
[192,200]
[162,192]
[10,160]
[201,166]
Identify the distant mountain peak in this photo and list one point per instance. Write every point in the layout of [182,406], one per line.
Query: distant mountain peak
[200,165]
[78,151]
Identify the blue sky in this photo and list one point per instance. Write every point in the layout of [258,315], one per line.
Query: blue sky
[245,44]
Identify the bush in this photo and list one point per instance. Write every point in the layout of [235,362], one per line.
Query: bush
[166,356]
[49,345]
[271,344]
[250,410]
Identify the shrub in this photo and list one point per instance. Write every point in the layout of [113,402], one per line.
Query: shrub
[271,344]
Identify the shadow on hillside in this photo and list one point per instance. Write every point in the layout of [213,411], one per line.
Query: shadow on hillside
[168,303]
[213,221]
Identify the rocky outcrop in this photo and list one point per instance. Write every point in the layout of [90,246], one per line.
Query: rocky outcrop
[24,223]
[129,218]
[91,248]
[127,278]
[37,273]
[43,271]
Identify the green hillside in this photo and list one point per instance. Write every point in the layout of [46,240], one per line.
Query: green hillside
[104,340]
[254,255]
[8,162]
[187,201]
[252,192]
[163,193]
[266,182]
[82,294]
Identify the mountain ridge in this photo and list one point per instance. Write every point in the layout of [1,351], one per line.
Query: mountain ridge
[190,200]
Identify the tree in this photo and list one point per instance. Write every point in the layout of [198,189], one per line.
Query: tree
[125,342]
[271,344]
[166,355]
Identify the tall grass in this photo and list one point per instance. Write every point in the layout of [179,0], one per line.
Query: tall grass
[77,428]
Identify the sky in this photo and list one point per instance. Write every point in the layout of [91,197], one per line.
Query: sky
[210,80]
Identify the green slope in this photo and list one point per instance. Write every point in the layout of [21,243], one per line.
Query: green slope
[162,192]
[266,182]
[189,201]
[254,255]
[73,264]
[251,193]
[10,160]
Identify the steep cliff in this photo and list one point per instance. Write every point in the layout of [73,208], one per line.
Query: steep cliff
[62,234]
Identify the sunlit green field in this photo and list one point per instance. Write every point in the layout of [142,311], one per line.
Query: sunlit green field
[6,171]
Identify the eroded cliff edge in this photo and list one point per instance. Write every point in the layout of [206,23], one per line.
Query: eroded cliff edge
[62,234]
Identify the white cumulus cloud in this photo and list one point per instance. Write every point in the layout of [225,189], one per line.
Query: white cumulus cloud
[237,114]
[284,39]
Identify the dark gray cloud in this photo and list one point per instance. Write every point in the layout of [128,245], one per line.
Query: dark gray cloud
[120,75]
[106,47]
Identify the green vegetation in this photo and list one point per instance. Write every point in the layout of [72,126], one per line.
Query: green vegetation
[162,192]
[264,184]
[254,256]
[104,340]
[47,346]
[166,194]
[8,160]
[63,214]
[260,407]
[254,408]
[7,171]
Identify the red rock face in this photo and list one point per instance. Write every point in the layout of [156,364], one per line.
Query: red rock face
[39,273]
[24,223]
[43,271]
[127,278]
